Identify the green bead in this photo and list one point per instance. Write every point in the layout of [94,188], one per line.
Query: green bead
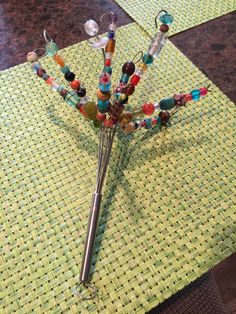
[96,123]
[166,18]
[65,69]
[72,99]
[51,48]
[167,103]
[147,59]
[108,70]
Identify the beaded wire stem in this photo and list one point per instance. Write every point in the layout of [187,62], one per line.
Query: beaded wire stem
[109,113]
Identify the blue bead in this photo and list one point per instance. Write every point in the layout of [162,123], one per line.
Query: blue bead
[166,18]
[148,123]
[196,94]
[102,105]
[105,87]
[65,69]
[111,34]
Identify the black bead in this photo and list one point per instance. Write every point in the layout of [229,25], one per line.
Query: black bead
[69,76]
[81,92]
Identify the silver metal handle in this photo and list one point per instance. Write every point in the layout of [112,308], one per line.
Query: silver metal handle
[90,237]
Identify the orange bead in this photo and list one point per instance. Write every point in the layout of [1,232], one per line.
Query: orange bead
[59,60]
[110,47]
[75,84]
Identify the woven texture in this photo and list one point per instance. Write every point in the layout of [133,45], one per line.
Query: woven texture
[186,13]
[168,213]
[201,296]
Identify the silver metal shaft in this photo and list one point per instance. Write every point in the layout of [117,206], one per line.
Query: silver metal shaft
[105,145]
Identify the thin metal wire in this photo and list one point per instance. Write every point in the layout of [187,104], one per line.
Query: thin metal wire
[86,285]
[158,15]
[45,36]
[139,52]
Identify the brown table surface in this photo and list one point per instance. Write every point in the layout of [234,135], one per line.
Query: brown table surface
[210,46]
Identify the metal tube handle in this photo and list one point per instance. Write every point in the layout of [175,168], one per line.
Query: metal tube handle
[90,237]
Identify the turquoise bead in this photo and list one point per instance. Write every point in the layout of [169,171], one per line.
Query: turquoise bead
[51,48]
[108,70]
[167,103]
[102,105]
[125,78]
[147,59]
[196,94]
[166,18]
[71,99]
[65,69]
[158,120]
[148,123]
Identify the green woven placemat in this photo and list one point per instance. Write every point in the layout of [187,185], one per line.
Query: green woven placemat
[168,213]
[186,13]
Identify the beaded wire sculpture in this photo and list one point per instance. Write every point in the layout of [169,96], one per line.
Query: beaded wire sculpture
[108,113]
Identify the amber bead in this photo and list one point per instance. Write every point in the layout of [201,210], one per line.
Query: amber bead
[70,76]
[130,127]
[128,68]
[129,89]
[164,28]
[91,110]
[110,47]
[59,60]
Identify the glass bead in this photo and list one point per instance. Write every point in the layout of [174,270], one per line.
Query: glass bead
[203,91]
[50,80]
[69,76]
[158,120]
[148,108]
[105,82]
[32,57]
[63,92]
[129,89]
[80,107]
[71,99]
[135,79]
[96,123]
[167,103]
[124,78]
[81,92]
[75,84]
[91,27]
[164,28]
[101,116]
[154,121]
[112,16]
[108,70]
[195,94]
[107,62]
[143,67]
[111,34]
[59,60]
[102,106]
[65,69]
[147,59]
[108,123]
[110,47]
[157,44]
[148,123]
[179,100]
[130,127]
[188,97]
[156,106]
[128,68]
[36,66]
[41,72]
[91,110]
[165,116]
[103,96]
[45,77]
[51,48]
[100,43]
[166,18]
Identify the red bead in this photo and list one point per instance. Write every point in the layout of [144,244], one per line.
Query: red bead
[49,80]
[203,91]
[108,62]
[135,79]
[63,92]
[154,121]
[101,116]
[165,116]
[75,84]
[143,123]
[164,28]
[129,89]
[80,107]
[188,97]
[108,123]
[128,68]
[148,108]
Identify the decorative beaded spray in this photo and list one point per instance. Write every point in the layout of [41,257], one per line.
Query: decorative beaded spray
[108,113]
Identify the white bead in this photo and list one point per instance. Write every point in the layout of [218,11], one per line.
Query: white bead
[91,27]
[32,57]
[100,43]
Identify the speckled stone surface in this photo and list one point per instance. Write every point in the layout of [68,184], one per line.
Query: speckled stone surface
[212,48]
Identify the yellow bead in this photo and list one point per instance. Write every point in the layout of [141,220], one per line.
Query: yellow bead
[91,110]
[143,66]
